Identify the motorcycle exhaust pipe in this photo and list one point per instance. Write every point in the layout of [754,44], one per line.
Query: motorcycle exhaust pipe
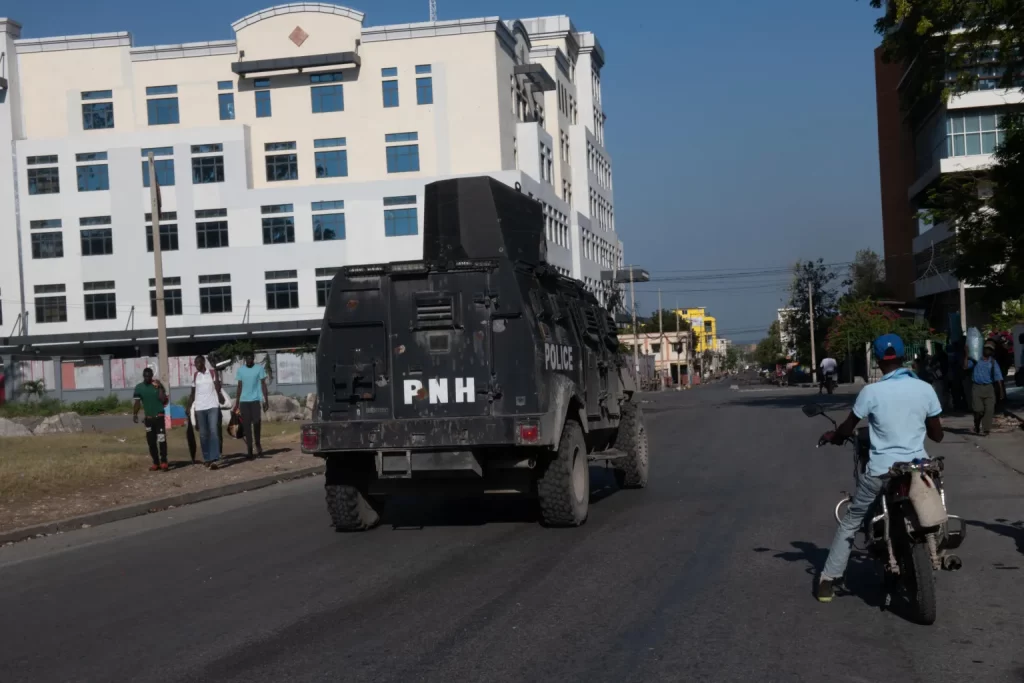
[952,563]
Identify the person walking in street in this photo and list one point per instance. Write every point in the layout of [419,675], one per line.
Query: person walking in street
[900,411]
[252,387]
[206,399]
[986,387]
[828,371]
[151,397]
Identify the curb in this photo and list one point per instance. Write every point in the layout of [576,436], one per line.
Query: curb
[145,507]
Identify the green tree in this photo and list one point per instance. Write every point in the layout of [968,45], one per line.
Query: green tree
[866,277]
[769,349]
[948,47]
[732,358]
[861,321]
[811,276]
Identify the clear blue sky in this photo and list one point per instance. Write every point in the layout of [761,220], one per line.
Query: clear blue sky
[742,133]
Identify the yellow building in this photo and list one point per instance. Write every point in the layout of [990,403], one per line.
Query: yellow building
[704,328]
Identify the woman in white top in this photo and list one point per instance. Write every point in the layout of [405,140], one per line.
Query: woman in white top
[205,400]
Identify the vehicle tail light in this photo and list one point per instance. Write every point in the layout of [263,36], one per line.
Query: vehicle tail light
[529,433]
[310,439]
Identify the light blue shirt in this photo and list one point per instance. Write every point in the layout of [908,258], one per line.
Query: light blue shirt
[251,379]
[896,408]
[985,372]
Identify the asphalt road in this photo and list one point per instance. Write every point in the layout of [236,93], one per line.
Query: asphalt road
[704,576]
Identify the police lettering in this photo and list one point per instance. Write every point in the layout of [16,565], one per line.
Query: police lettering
[557,357]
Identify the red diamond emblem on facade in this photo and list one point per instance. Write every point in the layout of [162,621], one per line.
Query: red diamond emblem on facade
[298,36]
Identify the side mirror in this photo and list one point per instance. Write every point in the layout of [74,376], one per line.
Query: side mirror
[813,410]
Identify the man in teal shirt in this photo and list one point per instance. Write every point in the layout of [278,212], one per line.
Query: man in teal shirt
[151,397]
[252,387]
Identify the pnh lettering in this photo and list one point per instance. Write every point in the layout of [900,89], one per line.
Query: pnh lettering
[437,390]
[557,357]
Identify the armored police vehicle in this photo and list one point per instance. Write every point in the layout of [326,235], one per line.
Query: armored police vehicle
[477,368]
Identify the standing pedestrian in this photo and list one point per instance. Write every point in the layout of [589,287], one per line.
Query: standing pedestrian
[252,387]
[986,387]
[151,397]
[206,399]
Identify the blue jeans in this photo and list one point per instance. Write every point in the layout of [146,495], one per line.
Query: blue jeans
[868,488]
[206,420]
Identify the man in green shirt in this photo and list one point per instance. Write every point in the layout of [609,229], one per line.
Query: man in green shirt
[151,397]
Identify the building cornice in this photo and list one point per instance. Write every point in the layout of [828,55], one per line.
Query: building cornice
[554,28]
[434,29]
[296,7]
[590,45]
[554,52]
[85,41]
[184,50]
[10,27]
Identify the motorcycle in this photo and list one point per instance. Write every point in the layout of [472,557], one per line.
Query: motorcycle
[829,382]
[910,536]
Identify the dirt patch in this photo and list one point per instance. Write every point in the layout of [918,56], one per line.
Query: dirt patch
[47,478]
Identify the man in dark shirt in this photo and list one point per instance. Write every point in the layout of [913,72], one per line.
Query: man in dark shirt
[151,398]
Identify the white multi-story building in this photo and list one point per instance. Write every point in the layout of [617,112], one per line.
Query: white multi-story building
[302,145]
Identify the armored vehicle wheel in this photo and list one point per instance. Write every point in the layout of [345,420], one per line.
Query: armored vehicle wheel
[631,472]
[350,509]
[563,486]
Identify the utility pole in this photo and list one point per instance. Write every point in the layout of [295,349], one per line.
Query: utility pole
[661,343]
[158,271]
[963,308]
[814,353]
[636,338]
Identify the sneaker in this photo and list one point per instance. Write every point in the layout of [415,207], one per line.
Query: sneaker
[826,590]
[154,468]
[164,466]
[215,465]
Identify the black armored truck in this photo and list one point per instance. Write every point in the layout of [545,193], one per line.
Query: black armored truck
[477,368]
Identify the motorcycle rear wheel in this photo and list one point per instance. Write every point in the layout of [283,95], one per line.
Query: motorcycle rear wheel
[919,580]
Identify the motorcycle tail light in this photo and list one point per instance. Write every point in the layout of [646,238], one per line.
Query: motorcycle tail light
[529,433]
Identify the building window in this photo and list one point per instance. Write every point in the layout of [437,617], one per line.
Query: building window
[424,85]
[324,277]
[399,222]
[263,108]
[402,158]
[328,226]
[172,297]
[211,234]
[278,229]
[92,177]
[96,241]
[164,167]
[47,223]
[207,170]
[282,295]
[168,237]
[969,132]
[162,110]
[330,95]
[97,114]
[215,299]
[51,309]
[281,166]
[331,163]
[389,88]
[43,180]
[47,245]
[100,305]
[226,103]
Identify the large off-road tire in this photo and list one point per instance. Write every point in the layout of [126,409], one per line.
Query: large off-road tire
[563,486]
[351,509]
[632,471]
[921,583]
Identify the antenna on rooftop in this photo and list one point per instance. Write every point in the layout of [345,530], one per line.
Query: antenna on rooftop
[433,10]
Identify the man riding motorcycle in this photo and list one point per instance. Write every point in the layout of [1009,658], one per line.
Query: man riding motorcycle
[828,369]
[900,410]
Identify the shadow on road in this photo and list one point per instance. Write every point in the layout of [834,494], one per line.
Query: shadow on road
[1004,527]
[407,512]
[795,401]
[862,578]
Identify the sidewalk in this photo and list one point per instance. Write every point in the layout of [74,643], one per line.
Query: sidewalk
[1005,443]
